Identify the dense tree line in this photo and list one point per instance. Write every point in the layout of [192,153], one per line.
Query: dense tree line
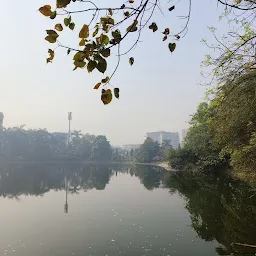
[223,130]
[19,144]
[152,151]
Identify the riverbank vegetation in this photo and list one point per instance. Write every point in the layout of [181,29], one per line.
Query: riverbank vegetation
[223,130]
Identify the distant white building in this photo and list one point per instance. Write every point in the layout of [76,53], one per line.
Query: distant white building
[1,119]
[131,146]
[173,137]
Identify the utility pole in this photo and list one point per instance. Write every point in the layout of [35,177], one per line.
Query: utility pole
[66,189]
[69,122]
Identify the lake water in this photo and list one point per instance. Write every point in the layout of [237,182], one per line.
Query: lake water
[63,210]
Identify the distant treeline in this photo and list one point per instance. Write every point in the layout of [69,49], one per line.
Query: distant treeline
[19,144]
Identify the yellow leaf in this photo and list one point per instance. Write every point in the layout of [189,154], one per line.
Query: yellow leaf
[106,96]
[97,86]
[82,42]
[52,36]
[133,27]
[84,32]
[46,10]
[58,27]
[51,52]
[51,39]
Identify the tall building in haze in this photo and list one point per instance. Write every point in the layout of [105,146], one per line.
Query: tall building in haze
[1,119]
[161,136]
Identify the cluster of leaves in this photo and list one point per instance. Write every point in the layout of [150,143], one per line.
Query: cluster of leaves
[234,52]
[223,130]
[103,34]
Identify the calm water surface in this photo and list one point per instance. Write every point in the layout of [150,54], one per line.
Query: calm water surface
[54,210]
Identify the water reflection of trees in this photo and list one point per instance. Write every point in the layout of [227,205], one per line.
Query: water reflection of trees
[221,208]
[16,180]
[38,179]
[150,176]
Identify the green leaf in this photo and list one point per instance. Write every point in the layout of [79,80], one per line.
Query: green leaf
[133,27]
[46,10]
[79,56]
[237,1]
[104,39]
[97,86]
[67,21]
[131,61]
[58,27]
[106,96]
[172,47]
[116,34]
[153,26]
[62,3]
[102,65]
[51,53]
[105,53]
[79,64]
[91,65]
[84,32]
[116,92]
[72,25]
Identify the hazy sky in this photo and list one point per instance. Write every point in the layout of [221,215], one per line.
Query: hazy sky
[158,93]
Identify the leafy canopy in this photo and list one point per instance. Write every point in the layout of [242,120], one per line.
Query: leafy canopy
[101,38]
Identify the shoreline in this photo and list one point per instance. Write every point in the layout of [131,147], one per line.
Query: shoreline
[158,164]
